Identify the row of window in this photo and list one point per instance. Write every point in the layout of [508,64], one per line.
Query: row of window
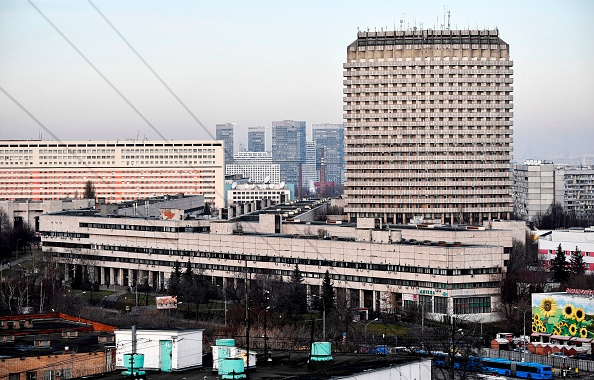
[290,261]
[281,272]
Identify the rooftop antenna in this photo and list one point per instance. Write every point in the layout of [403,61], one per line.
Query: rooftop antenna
[448,20]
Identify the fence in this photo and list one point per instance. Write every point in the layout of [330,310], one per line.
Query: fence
[582,365]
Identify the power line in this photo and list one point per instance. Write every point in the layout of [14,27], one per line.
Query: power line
[113,87]
[148,66]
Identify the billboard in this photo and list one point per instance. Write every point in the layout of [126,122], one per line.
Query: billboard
[567,314]
[167,302]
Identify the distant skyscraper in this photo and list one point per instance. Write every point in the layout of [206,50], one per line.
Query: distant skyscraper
[330,137]
[309,172]
[428,117]
[256,139]
[225,133]
[288,148]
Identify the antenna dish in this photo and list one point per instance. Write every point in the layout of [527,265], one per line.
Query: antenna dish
[271,185]
[267,179]
[282,184]
[234,185]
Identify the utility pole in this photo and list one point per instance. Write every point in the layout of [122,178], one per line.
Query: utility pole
[247,320]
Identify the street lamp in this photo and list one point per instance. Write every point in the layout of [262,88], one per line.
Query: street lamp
[265,311]
[225,302]
[136,287]
[524,337]
[375,320]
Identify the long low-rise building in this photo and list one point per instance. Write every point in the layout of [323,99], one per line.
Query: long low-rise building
[450,270]
[120,170]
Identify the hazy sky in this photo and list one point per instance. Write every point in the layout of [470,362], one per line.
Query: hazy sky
[251,62]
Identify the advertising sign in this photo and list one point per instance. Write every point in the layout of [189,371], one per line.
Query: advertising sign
[167,302]
[567,314]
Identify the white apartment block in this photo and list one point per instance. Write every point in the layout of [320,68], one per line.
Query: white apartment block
[452,270]
[256,166]
[537,184]
[249,193]
[582,239]
[120,170]
[428,126]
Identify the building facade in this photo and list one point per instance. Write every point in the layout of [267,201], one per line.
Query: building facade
[579,190]
[257,139]
[330,138]
[255,166]
[428,126]
[309,170]
[119,170]
[382,268]
[536,185]
[252,192]
[225,133]
[288,148]
[569,240]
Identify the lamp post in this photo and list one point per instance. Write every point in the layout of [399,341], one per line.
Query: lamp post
[367,324]
[224,302]
[524,337]
[265,311]
[136,287]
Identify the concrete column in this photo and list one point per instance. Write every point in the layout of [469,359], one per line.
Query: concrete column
[112,280]
[121,277]
[102,275]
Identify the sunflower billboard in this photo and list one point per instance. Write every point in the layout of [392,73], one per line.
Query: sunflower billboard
[567,314]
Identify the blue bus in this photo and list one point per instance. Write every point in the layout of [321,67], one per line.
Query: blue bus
[523,370]
[470,363]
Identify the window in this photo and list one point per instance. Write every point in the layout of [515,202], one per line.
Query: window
[472,305]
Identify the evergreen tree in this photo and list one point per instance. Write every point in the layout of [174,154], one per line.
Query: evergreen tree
[328,292]
[559,266]
[175,280]
[296,276]
[576,262]
[89,192]
[188,276]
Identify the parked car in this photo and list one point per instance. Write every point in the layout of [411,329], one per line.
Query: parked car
[559,355]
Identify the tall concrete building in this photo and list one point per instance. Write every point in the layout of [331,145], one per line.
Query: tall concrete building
[288,148]
[256,139]
[428,126]
[225,133]
[120,170]
[330,138]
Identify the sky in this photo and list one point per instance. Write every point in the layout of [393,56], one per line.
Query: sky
[252,62]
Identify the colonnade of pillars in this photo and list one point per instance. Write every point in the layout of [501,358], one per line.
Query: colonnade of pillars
[108,276]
